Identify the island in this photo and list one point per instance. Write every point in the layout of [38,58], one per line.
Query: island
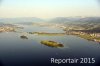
[23,37]
[51,43]
[47,34]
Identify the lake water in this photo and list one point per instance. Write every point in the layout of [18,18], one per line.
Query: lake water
[15,51]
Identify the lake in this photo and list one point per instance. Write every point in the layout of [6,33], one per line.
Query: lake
[15,51]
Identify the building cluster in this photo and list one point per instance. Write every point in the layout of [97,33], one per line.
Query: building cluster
[95,34]
[7,29]
[87,35]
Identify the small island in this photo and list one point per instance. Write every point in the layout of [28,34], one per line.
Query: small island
[51,43]
[23,37]
[47,34]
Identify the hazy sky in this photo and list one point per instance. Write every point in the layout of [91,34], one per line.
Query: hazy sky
[48,8]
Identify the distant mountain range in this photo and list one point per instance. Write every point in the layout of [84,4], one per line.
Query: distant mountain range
[54,20]
[20,20]
[75,20]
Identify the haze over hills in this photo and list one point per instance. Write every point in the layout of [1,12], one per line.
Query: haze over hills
[62,20]
[20,20]
[76,20]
